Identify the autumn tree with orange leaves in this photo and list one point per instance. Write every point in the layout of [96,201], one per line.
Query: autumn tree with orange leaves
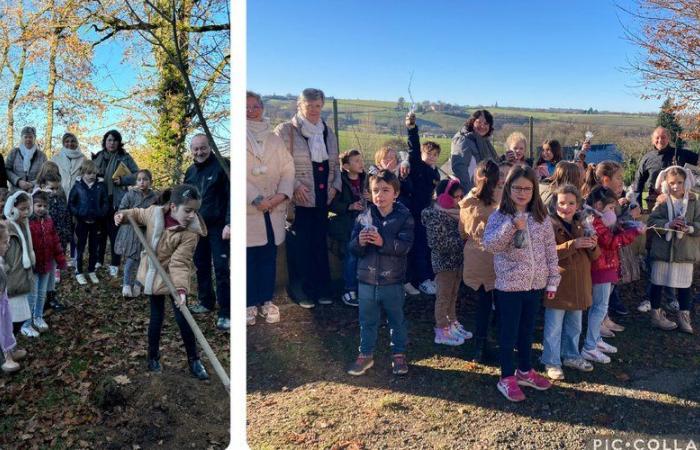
[668,32]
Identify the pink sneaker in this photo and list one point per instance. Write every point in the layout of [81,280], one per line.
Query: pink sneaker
[533,380]
[508,386]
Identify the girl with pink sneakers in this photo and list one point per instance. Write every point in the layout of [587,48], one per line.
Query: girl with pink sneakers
[521,237]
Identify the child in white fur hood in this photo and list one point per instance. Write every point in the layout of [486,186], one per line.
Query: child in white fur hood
[674,250]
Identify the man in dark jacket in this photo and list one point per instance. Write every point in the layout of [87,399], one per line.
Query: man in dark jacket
[661,157]
[209,177]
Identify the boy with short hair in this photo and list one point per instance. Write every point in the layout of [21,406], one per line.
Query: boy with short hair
[346,206]
[381,240]
[424,178]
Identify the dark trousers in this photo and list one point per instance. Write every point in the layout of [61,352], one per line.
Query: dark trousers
[110,231]
[90,234]
[419,266]
[517,312]
[156,325]
[683,294]
[484,305]
[308,254]
[213,247]
[261,265]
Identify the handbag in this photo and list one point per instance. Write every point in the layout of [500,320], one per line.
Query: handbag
[19,308]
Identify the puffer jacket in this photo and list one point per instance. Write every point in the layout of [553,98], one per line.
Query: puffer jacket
[214,186]
[478,263]
[174,247]
[88,204]
[14,167]
[444,240]
[47,245]
[423,177]
[465,154]
[296,143]
[606,269]
[340,225]
[678,250]
[533,267]
[575,289]
[385,265]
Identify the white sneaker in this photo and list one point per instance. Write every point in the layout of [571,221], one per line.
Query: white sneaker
[136,290]
[605,347]
[97,266]
[113,271]
[40,324]
[579,364]
[410,290]
[80,277]
[458,330]
[93,278]
[126,291]
[595,355]
[554,372]
[446,337]
[251,312]
[29,331]
[645,306]
[270,312]
[427,287]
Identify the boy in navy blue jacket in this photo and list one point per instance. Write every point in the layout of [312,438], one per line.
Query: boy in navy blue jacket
[424,178]
[381,238]
[88,203]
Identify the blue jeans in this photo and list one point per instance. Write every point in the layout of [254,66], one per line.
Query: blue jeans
[517,312]
[596,314]
[372,300]
[37,296]
[562,330]
[131,265]
[350,269]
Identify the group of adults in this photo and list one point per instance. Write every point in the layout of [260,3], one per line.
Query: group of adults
[20,169]
[293,173]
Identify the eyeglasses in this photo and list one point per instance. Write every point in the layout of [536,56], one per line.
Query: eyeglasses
[520,189]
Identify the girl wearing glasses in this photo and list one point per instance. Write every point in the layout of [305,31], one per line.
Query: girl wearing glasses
[526,270]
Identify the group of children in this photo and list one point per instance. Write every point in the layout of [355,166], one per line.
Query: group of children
[519,248]
[37,227]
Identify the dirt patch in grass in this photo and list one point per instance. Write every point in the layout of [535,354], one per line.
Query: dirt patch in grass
[299,395]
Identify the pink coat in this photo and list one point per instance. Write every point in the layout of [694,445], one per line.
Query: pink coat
[533,267]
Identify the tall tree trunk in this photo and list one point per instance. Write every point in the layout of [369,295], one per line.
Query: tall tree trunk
[17,79]
[53,50]
[168,141]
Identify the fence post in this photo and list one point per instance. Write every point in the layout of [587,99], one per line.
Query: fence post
[335,121]
[531,152]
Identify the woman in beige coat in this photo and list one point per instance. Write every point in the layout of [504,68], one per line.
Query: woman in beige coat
[478,272]
[270,184]
[314,148]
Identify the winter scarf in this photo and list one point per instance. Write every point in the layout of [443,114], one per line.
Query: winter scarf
[314,133]
[28,257]
[256,132]
[112,162]
[452,212]
[675,207]
[27,155]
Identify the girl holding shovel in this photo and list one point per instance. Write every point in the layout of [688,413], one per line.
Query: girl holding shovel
[173,228]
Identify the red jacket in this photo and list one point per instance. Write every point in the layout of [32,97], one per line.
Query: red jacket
[606,268]
[47,245]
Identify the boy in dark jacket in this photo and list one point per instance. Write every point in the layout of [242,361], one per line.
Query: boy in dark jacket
[381,239]
[88,203]
[424,178]
[347,206]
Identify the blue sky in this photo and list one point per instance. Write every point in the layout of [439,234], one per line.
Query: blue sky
[516,53]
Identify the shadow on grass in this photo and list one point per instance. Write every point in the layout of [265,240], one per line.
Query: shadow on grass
[311,346]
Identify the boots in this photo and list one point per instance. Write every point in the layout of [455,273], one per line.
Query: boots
[9,365]
[480,350]
[54,303]
[684,322]
[154,363]
[197,369]
[659,320]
